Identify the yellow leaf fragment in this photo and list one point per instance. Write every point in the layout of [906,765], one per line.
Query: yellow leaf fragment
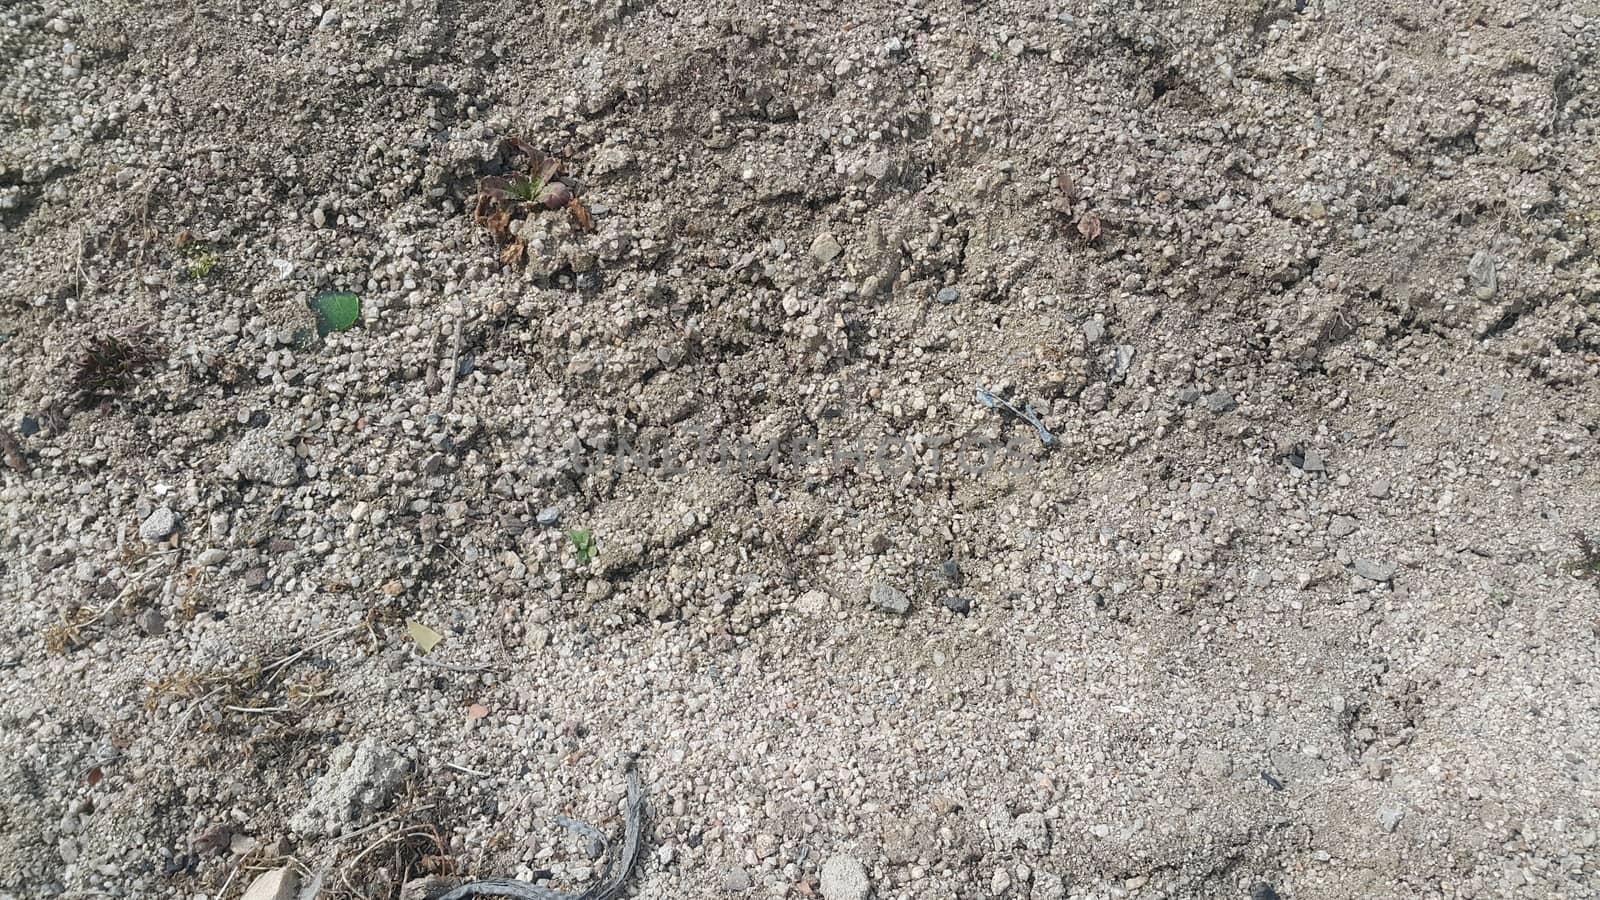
[425,637]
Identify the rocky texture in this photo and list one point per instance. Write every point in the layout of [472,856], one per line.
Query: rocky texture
[844,878]
[1246,261]
[360,780]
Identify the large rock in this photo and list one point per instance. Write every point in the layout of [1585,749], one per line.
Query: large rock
[277,884]
[361,779]
[844,878]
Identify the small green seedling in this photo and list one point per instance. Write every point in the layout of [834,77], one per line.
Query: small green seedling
[538,185]
[583,544]
[335,311]
[200,265]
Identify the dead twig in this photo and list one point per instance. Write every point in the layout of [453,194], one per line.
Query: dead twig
[455,364]
[400,835]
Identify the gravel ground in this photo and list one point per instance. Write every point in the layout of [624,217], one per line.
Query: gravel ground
[1301,599]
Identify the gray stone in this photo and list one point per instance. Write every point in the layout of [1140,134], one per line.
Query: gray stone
[276,884]
[1220,402]
[1379,490]
[1314,462]
[1093,331]
[1341,526]
[151,623]
[1374,570]
[1258,578]
[361,779]
[1390,815]
[890,599]
[844,878]
[737,881]
[1263,890]
[159,525]
[1124,359]
[549,517]
[948,295]
[433,464]
[825,248]
[950,571]
[211,556]
[1482,275]
[1188,396]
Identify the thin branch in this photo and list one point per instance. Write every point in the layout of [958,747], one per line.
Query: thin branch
[455,364]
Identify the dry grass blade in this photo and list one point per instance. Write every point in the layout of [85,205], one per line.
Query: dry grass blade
[405,841]
[108,368]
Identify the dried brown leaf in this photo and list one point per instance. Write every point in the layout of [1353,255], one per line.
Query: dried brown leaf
[1089,226]
[545,168]
[515,253]
[498,223]
[581,214]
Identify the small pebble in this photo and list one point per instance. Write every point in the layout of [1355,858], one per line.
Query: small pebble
[950,571]
[151,623]
[825,248]
[1313,462]
[1221,402]
[1389,817]
[158,525]
[737,881]
[1263,890]
[1374,570]
[890,599]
